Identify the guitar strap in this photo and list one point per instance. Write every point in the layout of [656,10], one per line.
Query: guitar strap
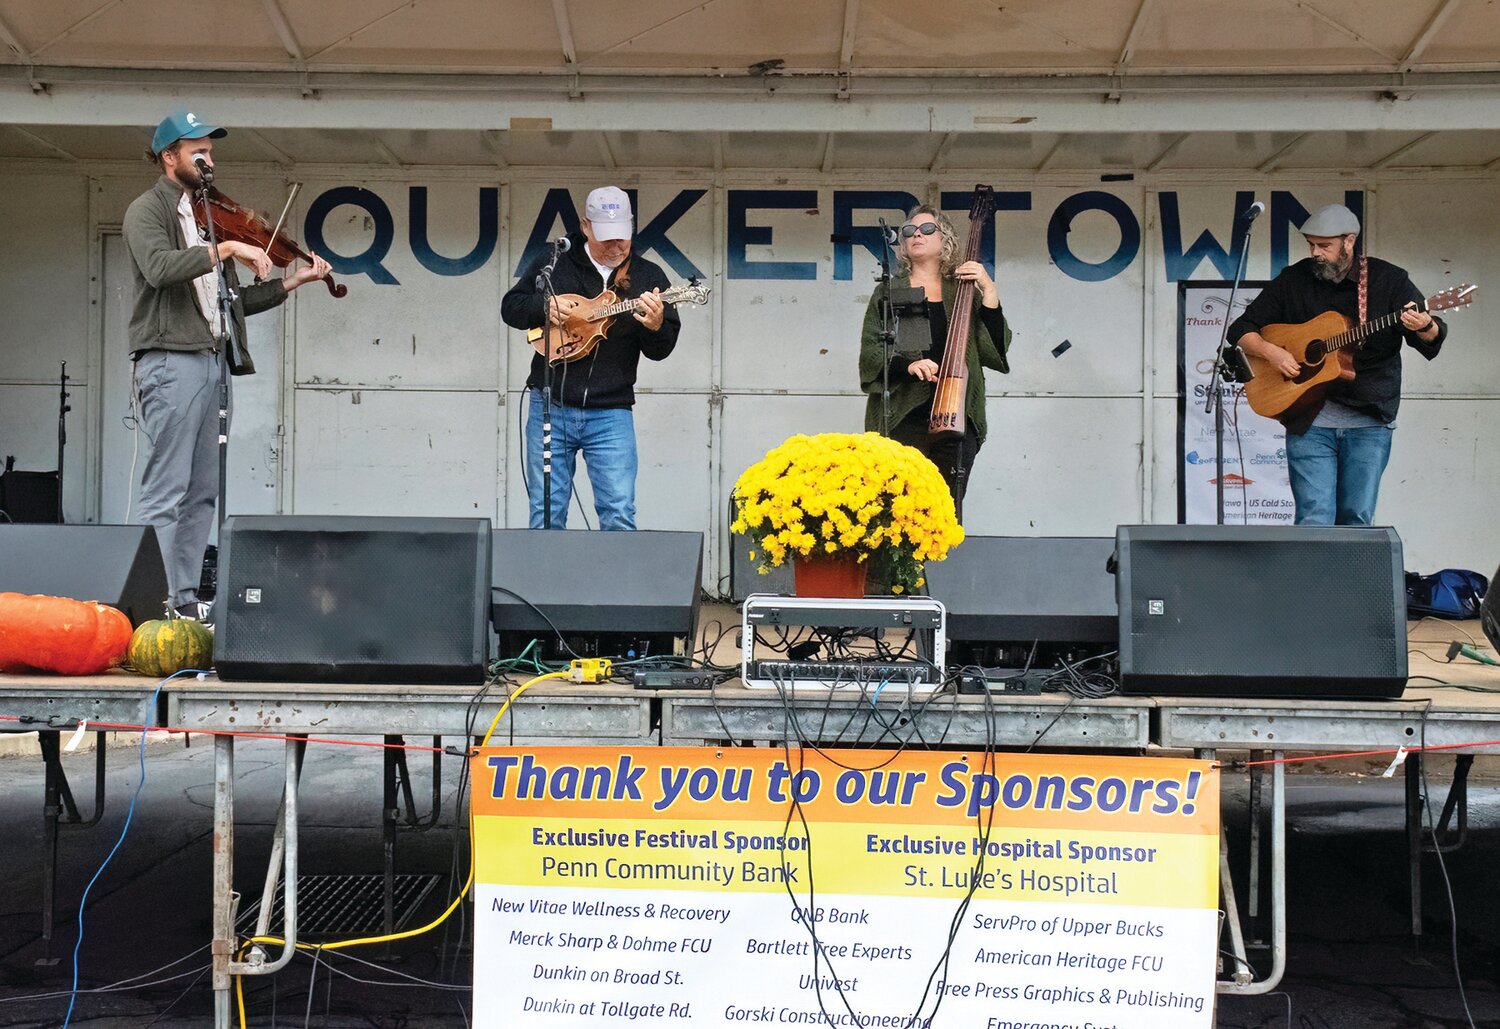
[621,277]
[1364,289]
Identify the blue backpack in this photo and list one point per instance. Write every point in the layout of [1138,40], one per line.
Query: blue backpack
[1450,593]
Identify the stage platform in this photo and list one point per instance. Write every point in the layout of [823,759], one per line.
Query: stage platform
[1446,704]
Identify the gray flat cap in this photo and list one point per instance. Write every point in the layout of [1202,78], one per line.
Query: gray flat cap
[1333,220]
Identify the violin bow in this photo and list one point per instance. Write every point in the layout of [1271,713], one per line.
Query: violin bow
[296,188]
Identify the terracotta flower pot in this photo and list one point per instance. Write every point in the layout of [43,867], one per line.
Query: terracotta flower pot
[829,575]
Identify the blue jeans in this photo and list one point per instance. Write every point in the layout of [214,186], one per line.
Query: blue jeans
[607,438]
[1336,473]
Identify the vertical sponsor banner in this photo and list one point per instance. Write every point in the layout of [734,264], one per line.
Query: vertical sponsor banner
[1256,488]
[692,886]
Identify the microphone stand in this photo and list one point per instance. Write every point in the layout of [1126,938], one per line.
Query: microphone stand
[1240,372]
[544,285]
[888,325]
[63,407]
[228,341]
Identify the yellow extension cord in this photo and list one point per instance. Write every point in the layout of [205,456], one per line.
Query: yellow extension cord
[239,989]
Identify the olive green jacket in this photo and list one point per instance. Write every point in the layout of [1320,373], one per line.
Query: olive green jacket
[909,394]
[163,265]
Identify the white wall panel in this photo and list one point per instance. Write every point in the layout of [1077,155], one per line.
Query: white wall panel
[1441,487]
[1429,229]
[396,453]
[1101,319]
[425,330]
[797,335]
[1057,466]
[1075,448]
[44,277]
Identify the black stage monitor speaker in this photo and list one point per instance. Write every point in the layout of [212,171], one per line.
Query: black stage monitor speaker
[1489,611]
[745,577]
[613,594]
[1019,589]
[1261,611]
[356,600]
[119,565]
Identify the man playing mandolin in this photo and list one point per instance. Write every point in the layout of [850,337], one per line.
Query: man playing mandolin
[593,396]
[177,344]
[1337,451]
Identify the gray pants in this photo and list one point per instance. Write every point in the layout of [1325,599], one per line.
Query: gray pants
[179,412]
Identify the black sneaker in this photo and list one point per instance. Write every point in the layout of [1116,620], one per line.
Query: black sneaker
[198,611]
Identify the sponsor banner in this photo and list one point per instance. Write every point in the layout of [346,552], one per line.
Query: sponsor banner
[1256,488]
[689,886]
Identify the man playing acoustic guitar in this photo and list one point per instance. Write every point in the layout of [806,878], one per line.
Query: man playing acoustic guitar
[1337,447]
[592,397]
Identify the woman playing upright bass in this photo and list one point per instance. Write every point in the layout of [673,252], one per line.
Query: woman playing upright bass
[927,255]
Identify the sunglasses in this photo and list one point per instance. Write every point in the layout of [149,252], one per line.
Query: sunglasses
[926,228]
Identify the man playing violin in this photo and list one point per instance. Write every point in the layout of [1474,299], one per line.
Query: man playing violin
[177,343]
[593,397]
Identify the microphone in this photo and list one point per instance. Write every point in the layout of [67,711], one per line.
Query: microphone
[205,171]
[559,246]
[890,235]
[1254,211]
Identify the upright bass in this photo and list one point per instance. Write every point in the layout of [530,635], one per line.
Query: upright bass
[948,418]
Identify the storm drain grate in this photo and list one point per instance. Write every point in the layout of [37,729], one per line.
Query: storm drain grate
[350,906]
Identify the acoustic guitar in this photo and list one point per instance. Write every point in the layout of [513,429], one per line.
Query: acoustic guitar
[590,321]
[1322,346]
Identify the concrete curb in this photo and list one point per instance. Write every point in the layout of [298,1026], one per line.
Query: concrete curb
[24,744]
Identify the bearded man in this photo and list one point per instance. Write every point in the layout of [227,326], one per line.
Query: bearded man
[177,343]
[1336,461]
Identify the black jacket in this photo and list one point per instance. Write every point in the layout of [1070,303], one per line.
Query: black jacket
[606,377]
[1298,295]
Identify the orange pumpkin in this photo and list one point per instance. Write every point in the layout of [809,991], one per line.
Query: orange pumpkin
[55,634]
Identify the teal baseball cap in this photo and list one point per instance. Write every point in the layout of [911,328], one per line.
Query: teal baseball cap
[183,125]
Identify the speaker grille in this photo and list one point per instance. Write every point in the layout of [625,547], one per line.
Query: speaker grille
[1262,610]
[354,600]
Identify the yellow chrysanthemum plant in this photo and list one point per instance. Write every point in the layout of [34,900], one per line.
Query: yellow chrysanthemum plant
[848,493]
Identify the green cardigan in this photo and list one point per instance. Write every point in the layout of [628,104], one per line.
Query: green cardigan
[908,394]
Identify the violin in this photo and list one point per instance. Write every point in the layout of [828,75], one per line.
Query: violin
[233,223]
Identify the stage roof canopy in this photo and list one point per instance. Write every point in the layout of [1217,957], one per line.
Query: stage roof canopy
[838,85]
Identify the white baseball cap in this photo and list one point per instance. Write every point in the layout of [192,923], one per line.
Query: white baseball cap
[608,210]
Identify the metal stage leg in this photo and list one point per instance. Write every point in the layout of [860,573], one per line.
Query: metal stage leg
[1414,839]
[1252,892]
[1457,803]
[222,947]
[398,792]
[1417,840]
[1244,985]
[57,798]
[284,854]
[395,773]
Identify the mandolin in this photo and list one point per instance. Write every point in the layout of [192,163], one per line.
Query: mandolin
[1322,346]
[948,417]
[590,321]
